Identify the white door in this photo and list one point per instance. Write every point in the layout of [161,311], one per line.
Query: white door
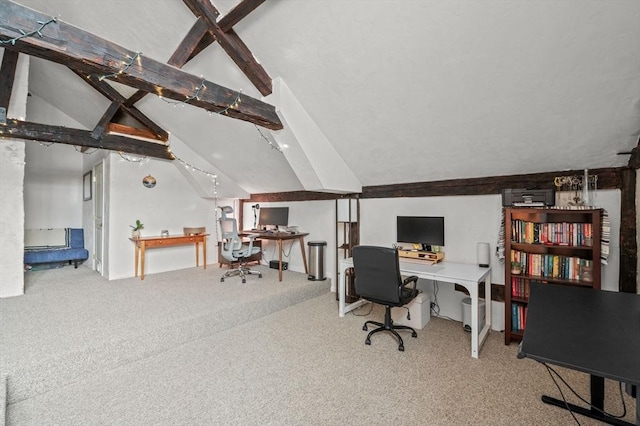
[98,217]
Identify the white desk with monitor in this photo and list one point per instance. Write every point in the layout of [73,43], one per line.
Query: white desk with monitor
[467,275]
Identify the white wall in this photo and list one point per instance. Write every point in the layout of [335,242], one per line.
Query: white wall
[468,220]
[52,186]
[171,205]
[12,163]
[53,174]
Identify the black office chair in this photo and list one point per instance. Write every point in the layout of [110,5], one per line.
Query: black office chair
[378,280]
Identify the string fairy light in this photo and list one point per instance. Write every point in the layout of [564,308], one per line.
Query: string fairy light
[23,34]
[196,95]
[271,144]
[192,167]
[233,105]
[127,65]
[130,159]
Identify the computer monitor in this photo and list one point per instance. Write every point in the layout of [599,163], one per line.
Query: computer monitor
[274,216]
[425,230]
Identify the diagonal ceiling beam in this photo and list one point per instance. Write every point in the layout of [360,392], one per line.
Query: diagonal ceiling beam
[200,36]
[7,75]
[16,129]
[86,52]
[187,47]
[238,13]
[231,42]
[186,50]
[99,130]
[113,95]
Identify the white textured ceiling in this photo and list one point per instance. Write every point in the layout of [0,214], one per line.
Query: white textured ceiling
[405,91]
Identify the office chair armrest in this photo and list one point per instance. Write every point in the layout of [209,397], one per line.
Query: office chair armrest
[412,279]
[407,280]
[251,238]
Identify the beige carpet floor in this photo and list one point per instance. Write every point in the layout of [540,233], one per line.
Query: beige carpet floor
[303,365]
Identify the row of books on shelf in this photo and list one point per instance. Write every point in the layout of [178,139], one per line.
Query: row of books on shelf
[557,233]
[553,266]
[520,287]
[518,317]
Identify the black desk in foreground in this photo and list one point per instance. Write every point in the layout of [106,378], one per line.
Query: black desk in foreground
[596,332]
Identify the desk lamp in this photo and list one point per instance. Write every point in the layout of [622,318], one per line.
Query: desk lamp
[255,207]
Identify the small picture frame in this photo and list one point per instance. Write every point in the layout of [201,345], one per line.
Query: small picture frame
[86,186]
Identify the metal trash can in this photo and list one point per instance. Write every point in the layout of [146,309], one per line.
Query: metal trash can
[316,260]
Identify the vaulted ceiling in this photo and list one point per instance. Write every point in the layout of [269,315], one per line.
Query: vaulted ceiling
[396,91]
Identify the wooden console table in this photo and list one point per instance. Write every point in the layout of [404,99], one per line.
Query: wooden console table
[144,243]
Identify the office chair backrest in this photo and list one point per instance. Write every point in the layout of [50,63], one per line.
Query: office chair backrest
[377,273]
[229,232]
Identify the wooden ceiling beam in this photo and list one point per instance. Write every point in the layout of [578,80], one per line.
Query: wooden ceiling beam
[238,13]
[186,50]
[232,44]
[106,118]
[187,47]
[131,100]
[634,160]
[200,36]
[63,43]
[113,95]
[16,129]
[7,75]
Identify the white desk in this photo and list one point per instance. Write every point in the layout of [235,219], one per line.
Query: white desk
[467,275]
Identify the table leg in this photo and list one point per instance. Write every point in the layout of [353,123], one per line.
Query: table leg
[197,253]
[487,302]
[475,329]
[142,256]
[304,256]
[204,252]
[280,260]
[341,291]
[597,401]
[136,256]
[597,395]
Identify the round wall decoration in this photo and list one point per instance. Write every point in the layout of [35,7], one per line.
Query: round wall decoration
[149,181]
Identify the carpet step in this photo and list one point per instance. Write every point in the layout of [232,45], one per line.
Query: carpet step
[29,376]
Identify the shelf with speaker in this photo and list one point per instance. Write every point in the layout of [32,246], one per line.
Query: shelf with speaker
[427,256]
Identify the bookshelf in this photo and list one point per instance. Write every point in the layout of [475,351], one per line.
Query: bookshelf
[558,246]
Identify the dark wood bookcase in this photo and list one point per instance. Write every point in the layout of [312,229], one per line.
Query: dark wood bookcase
[558,246]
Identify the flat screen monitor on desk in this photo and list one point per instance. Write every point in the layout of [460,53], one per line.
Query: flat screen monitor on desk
[425,230]
[274,216]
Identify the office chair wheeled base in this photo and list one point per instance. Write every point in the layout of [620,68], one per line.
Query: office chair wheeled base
[388,325]
[242,271]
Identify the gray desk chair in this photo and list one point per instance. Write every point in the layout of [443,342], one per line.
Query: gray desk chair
[233,249]
[378,280]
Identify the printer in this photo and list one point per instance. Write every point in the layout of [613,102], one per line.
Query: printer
[528,197]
